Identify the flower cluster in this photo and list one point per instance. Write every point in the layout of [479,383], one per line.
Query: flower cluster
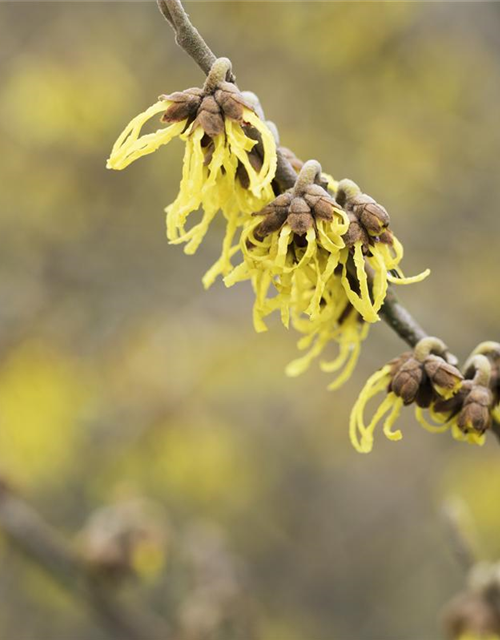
[229,160]
[321,253]
[465,403]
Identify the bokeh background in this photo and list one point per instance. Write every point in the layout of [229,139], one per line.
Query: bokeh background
[121,379]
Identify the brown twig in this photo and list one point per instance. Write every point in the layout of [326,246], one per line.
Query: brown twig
[36,539]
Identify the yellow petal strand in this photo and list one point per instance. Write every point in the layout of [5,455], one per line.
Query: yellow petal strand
[374,385]
[361,302]
[299,365]
[352,355]
[397,405]
[385,406]
[129,146]
[408,280]
[270,160]
[238,274]
[379,280]
[428,426]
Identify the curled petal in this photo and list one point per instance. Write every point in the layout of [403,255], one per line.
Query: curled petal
[130,145]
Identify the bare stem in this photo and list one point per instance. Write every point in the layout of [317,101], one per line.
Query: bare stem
[37,540]
[187,36]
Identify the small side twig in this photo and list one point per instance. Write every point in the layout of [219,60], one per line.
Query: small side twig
[26,530]
[401,320]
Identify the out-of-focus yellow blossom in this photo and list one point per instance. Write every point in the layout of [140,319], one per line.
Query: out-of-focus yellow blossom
[481,636]
[224,168]
[41,397]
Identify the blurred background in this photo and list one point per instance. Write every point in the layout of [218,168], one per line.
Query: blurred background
[124,384]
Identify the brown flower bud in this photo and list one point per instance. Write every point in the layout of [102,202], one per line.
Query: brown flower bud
[275,213]
[407,380]
[372,215]
[387,237]
[184,105]
[210,117]
[299,217]
[475,413]
[355,233]
[445,378]
[230,100]
[321,203]
[396,363]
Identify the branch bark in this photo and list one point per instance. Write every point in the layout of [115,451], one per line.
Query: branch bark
[26,530]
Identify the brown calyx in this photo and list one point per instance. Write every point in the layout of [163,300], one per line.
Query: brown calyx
[475,413]
[206,109]
[407,380]
[321,203]
[300,216]
[356,233]
[299,211]
[185,105]
[442,374]
[274,215]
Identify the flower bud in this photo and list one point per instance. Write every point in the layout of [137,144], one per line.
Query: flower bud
[407,380]
[184,105]
[445,378]
[275,215]
[299,217]
[321,203]
[475,413]
[355,233]
[230,100]
[372,215]
[210,117]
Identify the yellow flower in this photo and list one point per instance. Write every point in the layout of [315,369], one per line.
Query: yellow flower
[291,250]
[426,378]
[224,167]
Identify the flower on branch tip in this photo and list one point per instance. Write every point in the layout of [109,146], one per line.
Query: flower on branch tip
[229,161]
[372,253]
[291,249]
[424,376]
